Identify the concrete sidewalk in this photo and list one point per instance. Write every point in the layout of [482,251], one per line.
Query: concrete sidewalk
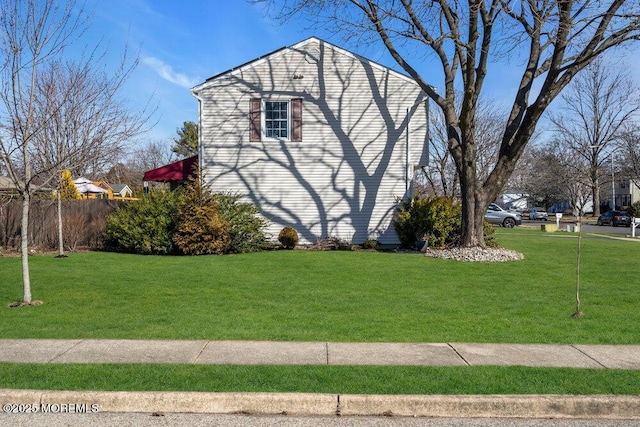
[318,353]
[321,353]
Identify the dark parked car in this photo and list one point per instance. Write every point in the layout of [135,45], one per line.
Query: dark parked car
[615,218]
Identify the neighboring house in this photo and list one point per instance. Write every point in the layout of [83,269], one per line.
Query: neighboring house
[115,191]
[521,201]
[319,138]
[101,189]
[513,200]
[627,193]
[7,187]
[584,203]
[121,190]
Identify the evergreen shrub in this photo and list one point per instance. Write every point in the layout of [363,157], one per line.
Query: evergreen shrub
[68,190]
[288,237]
[246,228]
[200,229]
[193,221]
[489,235]
[437,218]
[144,226]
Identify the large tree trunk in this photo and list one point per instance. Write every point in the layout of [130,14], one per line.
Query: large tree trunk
[473,198]
[477,196]
[472,210]
[24,247]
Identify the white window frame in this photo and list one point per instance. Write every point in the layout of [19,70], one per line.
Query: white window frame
[263,119]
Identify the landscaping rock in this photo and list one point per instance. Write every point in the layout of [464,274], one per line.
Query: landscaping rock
[475,254]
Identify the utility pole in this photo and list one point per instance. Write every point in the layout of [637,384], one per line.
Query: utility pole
[613,186]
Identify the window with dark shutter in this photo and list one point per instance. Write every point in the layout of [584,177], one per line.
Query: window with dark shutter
[254,119]
[280,120]
[276,120]
[296,119]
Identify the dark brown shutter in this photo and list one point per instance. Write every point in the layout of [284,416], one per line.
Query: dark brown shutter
[254,119]
[296,119]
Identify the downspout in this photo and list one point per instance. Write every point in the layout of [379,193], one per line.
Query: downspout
[408,154]
[200,145]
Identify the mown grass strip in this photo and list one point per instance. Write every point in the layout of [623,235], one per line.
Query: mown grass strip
[320,379]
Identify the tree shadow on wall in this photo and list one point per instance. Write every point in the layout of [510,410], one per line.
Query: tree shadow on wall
[351,165]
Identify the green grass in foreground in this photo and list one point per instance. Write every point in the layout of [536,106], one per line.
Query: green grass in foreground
[321,379]
[335,296]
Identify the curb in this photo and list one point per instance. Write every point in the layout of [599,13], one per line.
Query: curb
[314,404]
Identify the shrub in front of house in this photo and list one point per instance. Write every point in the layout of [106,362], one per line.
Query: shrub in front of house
[436,218]
[489,235]
[218,223]
[288,237]
[144,226]
[246,228]
[192,222]
[200,229]
[370,244]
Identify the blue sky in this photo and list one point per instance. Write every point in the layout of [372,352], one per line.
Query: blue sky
[180,44]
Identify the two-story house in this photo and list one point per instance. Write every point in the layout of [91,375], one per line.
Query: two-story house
[319,138]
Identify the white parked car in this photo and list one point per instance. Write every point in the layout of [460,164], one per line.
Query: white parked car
[538,214]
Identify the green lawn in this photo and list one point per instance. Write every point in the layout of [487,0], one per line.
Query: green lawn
[321,379]
[335,296]
[332,296]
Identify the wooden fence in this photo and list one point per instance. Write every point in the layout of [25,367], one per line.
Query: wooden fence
[83,223]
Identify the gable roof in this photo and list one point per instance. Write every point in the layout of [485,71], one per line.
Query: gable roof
[117,188]
[285,49]
[82,180]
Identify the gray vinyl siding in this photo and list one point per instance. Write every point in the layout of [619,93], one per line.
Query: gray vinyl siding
[344,178]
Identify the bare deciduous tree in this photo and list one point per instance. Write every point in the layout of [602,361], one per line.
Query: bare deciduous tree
[54,114]
[86,123]
[595,109]
[544,177]
[140,159]
[553,39]
[31,32]
[573,186]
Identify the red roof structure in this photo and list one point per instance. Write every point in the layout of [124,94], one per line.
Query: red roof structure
[176,171]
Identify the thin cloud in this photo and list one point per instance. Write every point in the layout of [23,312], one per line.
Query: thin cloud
[166,72]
